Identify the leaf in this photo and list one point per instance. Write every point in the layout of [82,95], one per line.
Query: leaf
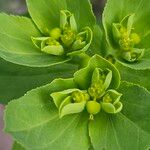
[16,45]
[116,10]
[83,76]
[17,146]
[145,40]
[137,76]
[16,80]
[46,13]
[33,121]
[97,42]
[129,129]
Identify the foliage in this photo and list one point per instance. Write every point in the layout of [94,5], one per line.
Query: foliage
[70,83]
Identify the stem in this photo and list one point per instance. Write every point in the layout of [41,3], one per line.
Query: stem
[91,117]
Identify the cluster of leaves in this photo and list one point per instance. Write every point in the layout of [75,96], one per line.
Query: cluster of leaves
[78,67]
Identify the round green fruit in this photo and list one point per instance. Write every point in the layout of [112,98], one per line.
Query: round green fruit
[93,107]
[55,33]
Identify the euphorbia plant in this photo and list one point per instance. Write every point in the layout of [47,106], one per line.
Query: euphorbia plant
[61,121]
[85,104]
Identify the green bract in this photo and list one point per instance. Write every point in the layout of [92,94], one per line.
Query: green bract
[111,102]
[65,39]
[89,93]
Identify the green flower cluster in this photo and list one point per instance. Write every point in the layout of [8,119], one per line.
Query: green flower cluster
[65,39]
[127,40]
[96,95]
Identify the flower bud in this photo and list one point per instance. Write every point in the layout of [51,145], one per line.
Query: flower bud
[78,96]
[135,38]
[67,37]
[55,33]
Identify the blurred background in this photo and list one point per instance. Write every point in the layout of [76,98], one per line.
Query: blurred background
[18,7]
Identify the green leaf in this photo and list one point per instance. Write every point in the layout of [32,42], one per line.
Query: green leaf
[97,42]
[16,45]
[16,80]
[145,40]
[33,121]
[83,76]
[17,146]
[137,76]
[129,129]
[116,10]
[46,13]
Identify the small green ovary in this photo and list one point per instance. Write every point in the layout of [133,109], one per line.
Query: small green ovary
[93,108]
[55,33]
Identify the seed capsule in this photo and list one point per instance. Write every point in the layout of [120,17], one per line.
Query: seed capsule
[55,33]
[93,107]
[135,38]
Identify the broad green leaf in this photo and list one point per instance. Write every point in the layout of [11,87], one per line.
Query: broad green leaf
[16,80]
[137,76]
[17,146]
[83,76]
[46,13]
[116,10]
[145,40]
[33,121]
[16,45]
[129,129]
